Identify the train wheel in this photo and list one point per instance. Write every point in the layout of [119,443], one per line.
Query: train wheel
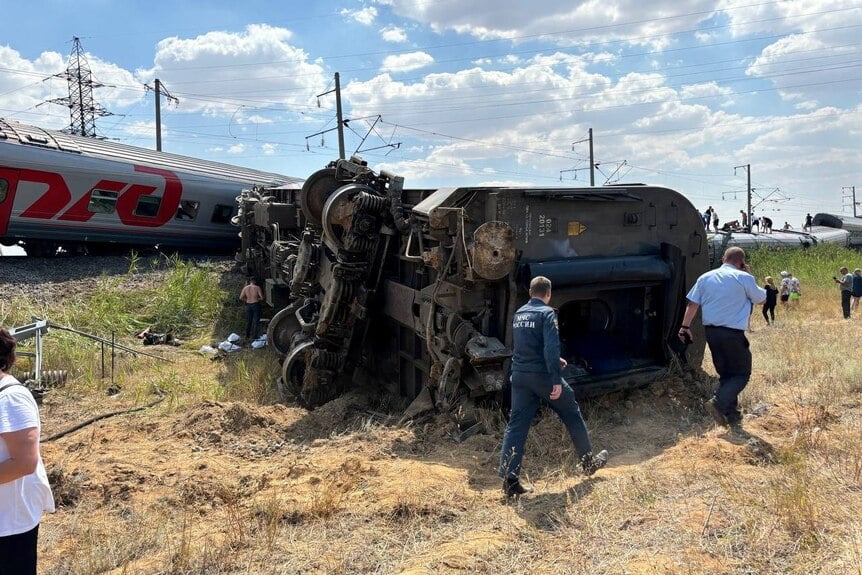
[302,381]
[282,327]
[41,249]
[315,191]
[293,370]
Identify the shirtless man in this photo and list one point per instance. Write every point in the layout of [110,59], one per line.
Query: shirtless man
[251,295]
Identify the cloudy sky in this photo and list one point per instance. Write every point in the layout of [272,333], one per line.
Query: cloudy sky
[499,92]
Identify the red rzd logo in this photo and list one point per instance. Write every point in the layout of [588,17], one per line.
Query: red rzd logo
[58,196]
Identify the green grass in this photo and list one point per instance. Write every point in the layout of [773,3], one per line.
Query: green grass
[187,300]
[814,266]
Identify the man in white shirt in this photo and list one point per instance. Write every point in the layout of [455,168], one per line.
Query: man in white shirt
[725,295]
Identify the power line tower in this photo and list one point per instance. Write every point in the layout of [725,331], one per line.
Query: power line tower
[83,108]
[848,196]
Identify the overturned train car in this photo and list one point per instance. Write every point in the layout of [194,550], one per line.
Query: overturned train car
[821,233]
[416,288]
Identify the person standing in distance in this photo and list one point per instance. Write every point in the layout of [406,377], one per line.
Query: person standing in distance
[771,300]
[845,284]
[726,295]
[537,376]
[857,289]
[24,490]
[251,295]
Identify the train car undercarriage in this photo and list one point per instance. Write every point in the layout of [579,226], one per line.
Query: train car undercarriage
[416,288]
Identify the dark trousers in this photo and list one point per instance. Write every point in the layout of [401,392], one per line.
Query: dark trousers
[252,320]
[732,360]
[18,553]
[529,390]
[769,308]
[845,302]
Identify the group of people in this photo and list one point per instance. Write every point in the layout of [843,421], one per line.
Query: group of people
[850,286]
[710,216]
[726,297]
[761,224]
[788,291]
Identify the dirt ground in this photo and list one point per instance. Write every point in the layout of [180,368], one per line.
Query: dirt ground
[237,488]
[195,486]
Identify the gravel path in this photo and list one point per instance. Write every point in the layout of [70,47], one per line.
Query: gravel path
[51,279]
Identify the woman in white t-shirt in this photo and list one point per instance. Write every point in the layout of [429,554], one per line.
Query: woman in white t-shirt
[24,490]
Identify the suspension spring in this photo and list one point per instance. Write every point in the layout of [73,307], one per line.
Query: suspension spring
[325,359]
[371,203]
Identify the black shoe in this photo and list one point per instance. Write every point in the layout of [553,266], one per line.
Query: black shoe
[712,409]
[513,488]
[591,463]
[734,418]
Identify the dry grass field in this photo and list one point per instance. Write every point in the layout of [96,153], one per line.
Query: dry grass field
[220,479]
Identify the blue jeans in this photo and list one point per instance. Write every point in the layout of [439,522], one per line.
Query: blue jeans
[252,320]
[732,360]
[529,390]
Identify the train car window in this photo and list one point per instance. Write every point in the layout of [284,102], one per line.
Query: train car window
[148,206]
[103,202]
[4,189]
[188,210]
[222,214]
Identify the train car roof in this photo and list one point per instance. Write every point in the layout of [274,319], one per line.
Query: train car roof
[818,234]
[853,223]
[24,134]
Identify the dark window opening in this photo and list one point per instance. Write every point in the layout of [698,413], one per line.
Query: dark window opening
[222,214]
[611,331]
[188,210]
[103,202]
[148,206]
[4,190]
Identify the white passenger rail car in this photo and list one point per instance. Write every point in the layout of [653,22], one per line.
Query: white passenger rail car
[60,192]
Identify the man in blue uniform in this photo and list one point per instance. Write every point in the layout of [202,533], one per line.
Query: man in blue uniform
[726,296]
[537,376]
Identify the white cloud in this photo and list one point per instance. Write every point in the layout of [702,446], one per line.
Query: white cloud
[807,105]
[564,22]
[805,66]
[547,85]
[393,34]
[550,101]
[269,149]
[211,73]
[145,129]
[254,119]
[236,149]
[365,16]
[705,90]
[406,62]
